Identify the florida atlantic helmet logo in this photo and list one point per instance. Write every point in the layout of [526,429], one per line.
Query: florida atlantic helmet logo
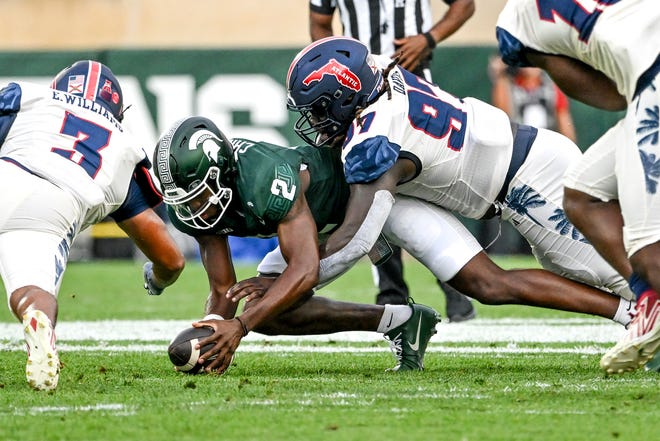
[334,68]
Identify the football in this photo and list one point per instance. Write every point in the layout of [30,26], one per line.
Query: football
[182,350]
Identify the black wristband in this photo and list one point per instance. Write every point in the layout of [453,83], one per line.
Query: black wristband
[430,41]
[245,329]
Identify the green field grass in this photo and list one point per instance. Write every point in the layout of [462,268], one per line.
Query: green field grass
[339,397]
[329,390]
[113,289]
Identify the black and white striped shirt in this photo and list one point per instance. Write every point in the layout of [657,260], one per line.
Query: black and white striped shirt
[377,23]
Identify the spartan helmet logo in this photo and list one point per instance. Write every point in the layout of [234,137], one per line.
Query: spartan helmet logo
[209,143]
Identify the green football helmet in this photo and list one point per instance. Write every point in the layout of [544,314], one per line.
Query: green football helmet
[195,166]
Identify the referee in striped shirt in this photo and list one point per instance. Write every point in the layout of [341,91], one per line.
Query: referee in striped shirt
[404,28]
[389,27]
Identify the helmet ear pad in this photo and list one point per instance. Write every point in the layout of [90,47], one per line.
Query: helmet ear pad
[93,81]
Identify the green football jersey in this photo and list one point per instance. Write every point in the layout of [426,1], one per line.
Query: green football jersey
[268,183]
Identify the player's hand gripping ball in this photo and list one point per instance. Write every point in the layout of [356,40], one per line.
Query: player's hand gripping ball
[182,350]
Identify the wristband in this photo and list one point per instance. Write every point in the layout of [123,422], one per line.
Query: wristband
[430,41]
[245,329]
[213,317]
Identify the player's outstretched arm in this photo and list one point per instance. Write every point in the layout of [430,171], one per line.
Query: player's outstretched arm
[358,233]
[150,235]
[298,241]
[215,256]
[367,210]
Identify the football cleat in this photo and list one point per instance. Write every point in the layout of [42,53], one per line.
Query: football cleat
[641,341]
[408,341]
[43,365]
[653,364]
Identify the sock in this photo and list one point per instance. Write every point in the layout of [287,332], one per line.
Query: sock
[625,312]
[393,316]
[638,285]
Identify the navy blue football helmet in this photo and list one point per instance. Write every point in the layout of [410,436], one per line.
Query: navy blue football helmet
[94,81]
[326,83]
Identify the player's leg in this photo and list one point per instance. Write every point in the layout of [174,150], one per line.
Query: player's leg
[591,199]
[638,178]
[35,307]
[29,276]
[459,307]
[394,290]
[414,324]
[408,328]
[388,277]
[37,227]
[443,244]
[315,314]
[490,284]
[311,314]
[320,315]
[534,207]
[639,196]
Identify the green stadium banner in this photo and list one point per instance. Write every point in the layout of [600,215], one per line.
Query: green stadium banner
[243,90]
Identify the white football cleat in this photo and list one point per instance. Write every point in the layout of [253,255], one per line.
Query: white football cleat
[640,343]
[42,369]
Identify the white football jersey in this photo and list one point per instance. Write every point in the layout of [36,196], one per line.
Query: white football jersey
[620,38]
[70,141]
[461,147]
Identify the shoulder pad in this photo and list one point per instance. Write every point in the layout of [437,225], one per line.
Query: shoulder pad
[370,159]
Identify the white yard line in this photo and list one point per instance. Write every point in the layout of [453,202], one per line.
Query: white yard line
[112,409]
[287,349]
[511,331]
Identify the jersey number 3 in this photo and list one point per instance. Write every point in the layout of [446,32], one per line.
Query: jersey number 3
[90,140]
